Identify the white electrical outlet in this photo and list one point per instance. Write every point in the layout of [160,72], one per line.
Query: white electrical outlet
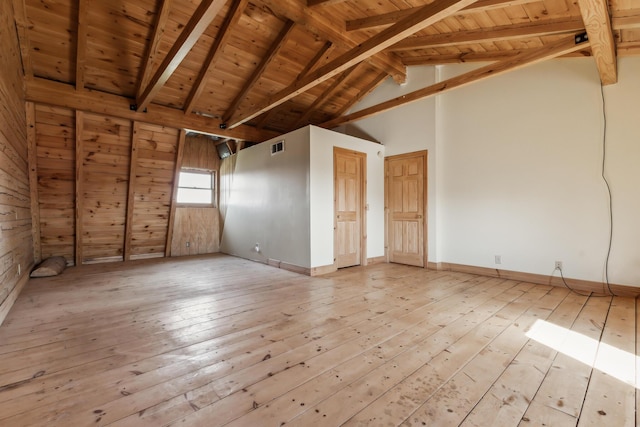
[498,259]
[558,265]
[257,247]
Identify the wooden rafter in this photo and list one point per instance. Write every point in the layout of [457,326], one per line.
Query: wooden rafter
[339,81]
[200,20]
[19,11]
[487,35]
[527,57]
[426,16]
[364,92]
[260,69]
[152,51]
[47,92]
[390,18]
[312,3]
[81,43]
[215,53]
[458,58]
[626,19]
[629,49]
[311,65]
[595,14]
[322,25]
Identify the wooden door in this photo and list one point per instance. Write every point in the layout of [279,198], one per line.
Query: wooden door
[406,222]
[348,167]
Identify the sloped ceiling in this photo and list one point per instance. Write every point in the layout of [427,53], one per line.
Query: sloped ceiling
[259,67]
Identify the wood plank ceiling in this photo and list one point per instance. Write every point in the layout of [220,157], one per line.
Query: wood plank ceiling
[248,68]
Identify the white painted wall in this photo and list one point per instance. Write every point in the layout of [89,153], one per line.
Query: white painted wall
[285,202]
[406,129]
[269,203]
[322,143]
[521,157]
[516,170]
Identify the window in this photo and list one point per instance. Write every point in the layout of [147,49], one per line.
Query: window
[196,187]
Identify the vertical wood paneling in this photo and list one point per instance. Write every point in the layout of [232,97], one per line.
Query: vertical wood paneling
[103,186]
[174,191]
[16,242]
[155,164]
[131,193]
[33,180]
[200,153]
[122,207]
[79,188]
[199,228]
[55,158]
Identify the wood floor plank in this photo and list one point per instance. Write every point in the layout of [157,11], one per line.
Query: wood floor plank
[340,384]
[275,384]
[185,368]
[611,396]
[452,401]
[217,340]
[325,368]
[565,385]
[509,397]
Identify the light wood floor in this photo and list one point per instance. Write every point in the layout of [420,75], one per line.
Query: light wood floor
[221,341]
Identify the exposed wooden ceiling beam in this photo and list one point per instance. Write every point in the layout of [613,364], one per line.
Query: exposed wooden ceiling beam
[527,57]
[390,18]
[312,3]
[628,19]
[48,92]
[20,16]
[459,58]
[426,16]
[152,52]
[629,49]
[595,14]
[311,65]
[260,69]
[81,43]
[339,81]
[215,53]
[332,31]
[487,35]
[200,20]
[364,92]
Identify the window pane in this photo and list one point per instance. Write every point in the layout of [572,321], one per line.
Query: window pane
[195,180]
[191,195]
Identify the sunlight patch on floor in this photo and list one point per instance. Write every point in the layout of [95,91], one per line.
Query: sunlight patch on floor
[611,360]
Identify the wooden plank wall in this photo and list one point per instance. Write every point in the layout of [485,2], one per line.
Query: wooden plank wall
[195,225]
[56,142]
[104,180]
[199,227]
[155,157]
[16,242]
[200,153]
[111,202]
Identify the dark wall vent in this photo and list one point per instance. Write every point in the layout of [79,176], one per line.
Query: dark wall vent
[277,147]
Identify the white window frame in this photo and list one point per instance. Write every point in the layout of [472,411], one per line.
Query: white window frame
[212,174]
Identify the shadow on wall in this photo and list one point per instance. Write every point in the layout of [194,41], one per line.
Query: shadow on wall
[353,130]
